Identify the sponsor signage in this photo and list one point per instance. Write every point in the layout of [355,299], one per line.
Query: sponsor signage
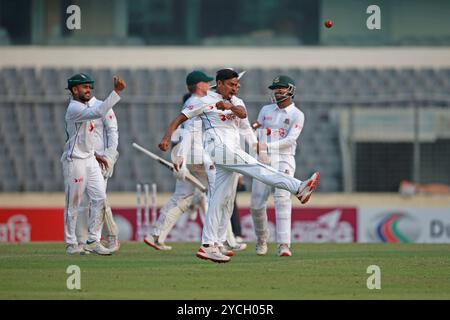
[30,224]
[404,225]
[308,225]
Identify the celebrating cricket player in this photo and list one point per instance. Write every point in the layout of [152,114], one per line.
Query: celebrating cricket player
[279,126]
[198,84]
[221,112]
[190,155]
[106,141]
[81,170]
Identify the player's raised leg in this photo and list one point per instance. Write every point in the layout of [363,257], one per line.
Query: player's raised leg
[247,165]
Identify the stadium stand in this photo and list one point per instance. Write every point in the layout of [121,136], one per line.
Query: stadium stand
[33,103]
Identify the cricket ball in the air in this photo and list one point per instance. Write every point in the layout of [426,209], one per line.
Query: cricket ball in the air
[328,23]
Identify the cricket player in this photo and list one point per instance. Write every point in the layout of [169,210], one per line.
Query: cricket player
[81,170]
[279,126]
[198,84]
[191,151]
[106,141]
[220,113]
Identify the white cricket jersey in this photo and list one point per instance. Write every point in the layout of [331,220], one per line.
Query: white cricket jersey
[194,130]
[193,125]
[219,125]
[80,127]
[106,132]
[280,128]
[245,130]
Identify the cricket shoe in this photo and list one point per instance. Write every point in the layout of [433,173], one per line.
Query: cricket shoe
[75,249]
[212,253]
[98,248]
[237,247]
[225,251]
[113,244]
[153,242]
[284,251]
[261,248]
[307,187]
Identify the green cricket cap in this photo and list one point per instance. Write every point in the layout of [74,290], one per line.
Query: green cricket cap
[197,76]
[79,78]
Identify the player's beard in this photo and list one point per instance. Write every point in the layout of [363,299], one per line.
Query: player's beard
[85,97]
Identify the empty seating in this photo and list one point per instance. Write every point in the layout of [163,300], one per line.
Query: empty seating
[33,103]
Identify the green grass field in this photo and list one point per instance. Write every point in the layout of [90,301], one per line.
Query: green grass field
[315,271]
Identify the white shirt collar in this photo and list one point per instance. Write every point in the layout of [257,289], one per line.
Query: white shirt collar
[288,109]
[79,102]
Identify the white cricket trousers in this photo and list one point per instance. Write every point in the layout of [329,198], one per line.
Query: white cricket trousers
[109,226]
[169,214]
[82,175]
[283,204]
[228,161]
[179,202]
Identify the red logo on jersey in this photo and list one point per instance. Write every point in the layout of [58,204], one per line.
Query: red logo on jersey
[225,117]
[268,118]
[281,132]
[111,117]
[190,107]
[91,126]
[297,125]
[78,180]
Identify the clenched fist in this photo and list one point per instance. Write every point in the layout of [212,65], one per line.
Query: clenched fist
[119,84]
[222,105]
[164,145]
[256,125]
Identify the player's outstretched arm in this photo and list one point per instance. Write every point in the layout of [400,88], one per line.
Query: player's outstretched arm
[78,112]
[164,144]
